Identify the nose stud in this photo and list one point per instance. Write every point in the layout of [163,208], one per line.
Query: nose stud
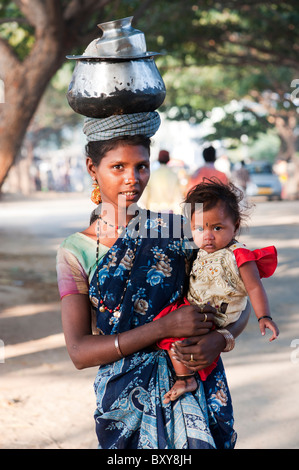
[127,180]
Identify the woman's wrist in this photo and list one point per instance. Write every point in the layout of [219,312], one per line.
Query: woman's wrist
[228,338]
[141,337]
[217,340]
[117,346]
[161,326]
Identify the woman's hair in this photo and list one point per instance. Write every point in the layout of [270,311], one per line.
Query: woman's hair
[210,192]
[96,150]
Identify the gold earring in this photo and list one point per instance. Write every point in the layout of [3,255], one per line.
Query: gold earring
[96,194]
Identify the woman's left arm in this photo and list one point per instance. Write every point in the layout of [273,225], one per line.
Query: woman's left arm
[258,298]
[207,347]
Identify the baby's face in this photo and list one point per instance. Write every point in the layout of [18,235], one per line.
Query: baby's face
[213,229]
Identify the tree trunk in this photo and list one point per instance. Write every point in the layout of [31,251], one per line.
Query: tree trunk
[56,33]
[286,128]
[19,107]
[25,82]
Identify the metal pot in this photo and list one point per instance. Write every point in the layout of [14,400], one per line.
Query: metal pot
[116,75]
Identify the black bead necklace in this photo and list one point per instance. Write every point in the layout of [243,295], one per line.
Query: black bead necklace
[119,228]
[102,308]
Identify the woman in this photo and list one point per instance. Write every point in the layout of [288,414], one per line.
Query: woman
[128,271]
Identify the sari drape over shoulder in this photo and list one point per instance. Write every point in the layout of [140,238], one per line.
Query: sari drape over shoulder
[130,411]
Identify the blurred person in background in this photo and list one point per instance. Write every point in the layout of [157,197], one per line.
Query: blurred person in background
[163,192]
[240,176]
[208,170]
[223,164]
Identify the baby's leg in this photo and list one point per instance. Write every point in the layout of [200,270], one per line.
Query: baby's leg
[185,381]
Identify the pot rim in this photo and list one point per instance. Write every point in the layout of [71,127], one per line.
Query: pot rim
[116,57]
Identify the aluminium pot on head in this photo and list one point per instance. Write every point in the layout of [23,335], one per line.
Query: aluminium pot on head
[103,87]
[116,74]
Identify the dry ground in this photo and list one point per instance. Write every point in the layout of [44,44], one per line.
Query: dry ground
[45,403]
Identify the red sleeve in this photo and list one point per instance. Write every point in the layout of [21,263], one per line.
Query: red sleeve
[265,258]
[167,342]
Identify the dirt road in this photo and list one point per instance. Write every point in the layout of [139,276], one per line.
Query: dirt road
[45,403]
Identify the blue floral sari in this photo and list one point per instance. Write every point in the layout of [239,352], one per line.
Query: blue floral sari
[147,266]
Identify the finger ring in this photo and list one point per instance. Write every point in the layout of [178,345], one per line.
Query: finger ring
[191,358]
[205,317]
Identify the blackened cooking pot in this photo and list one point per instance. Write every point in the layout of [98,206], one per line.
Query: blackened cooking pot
[116,75]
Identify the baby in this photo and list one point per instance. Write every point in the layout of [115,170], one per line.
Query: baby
[224,273]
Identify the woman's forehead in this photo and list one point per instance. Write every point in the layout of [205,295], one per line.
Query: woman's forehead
[127,153]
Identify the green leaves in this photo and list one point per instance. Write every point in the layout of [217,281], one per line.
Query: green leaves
[15,29]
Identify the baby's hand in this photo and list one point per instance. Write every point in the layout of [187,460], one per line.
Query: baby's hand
[268,323]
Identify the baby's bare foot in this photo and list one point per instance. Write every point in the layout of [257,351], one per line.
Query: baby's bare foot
[179,388]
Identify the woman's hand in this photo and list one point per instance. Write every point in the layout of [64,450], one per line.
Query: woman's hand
[189,321]
[207,347]
[204,349]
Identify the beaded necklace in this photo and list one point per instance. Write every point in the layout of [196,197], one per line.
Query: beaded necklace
[116,311]
[119,228]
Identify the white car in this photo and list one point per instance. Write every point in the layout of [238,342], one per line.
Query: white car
[263,181]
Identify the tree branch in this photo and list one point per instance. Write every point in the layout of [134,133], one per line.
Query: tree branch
[239,4]
[8,58]
[257,49]
[142,9]
[41,13]
[228,58]
[19,20]
[79,7]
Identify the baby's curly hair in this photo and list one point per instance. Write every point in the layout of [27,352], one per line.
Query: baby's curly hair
[210,191]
